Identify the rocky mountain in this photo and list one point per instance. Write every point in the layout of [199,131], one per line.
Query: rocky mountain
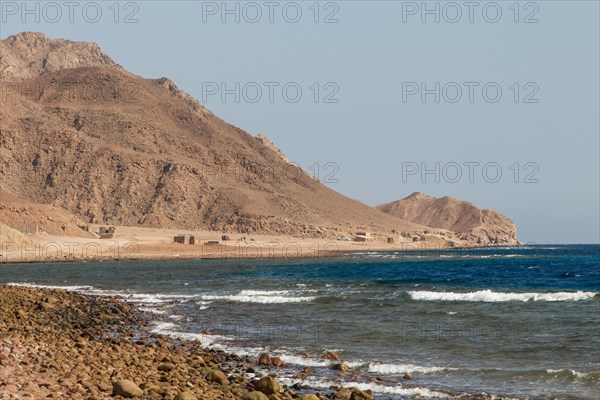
[466,220]
[81,134]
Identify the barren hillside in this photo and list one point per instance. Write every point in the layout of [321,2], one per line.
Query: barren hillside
[466,220]
[83,135]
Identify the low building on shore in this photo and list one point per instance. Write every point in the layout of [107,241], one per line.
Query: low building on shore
[363,237]
[106,232]
[184,239]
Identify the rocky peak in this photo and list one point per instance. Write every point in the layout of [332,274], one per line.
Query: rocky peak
[30,54]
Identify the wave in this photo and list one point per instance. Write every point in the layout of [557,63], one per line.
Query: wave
[322,383]
[593,376]
[51,287]
[392,369]
[490,296]
[261,296]
[133,297]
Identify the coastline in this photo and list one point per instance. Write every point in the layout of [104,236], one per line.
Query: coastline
[64,344]
[134,243]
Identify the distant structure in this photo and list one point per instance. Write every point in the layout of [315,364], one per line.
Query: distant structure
[106,232]
[363,237]
[29,229]
[391,240]
[184,239]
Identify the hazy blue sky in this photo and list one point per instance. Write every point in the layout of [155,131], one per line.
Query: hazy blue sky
[374,57]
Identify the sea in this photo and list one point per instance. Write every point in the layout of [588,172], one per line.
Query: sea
[514,322]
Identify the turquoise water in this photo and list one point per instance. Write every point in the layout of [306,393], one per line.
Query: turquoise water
[519,322]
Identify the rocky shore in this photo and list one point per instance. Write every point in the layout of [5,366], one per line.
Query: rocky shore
[65,345]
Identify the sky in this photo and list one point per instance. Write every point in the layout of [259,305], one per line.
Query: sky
[496,103]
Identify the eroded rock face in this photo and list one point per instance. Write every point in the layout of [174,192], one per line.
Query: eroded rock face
[470,223]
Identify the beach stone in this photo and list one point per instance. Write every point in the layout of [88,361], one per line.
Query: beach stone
[256,396]
[343,393]
[309,397]
[219,377]
[186,396]
[126,388]
[45,306]
[166,367]
[330,355]
[276,361]
[264,359]
[267,385]
[358,394]
[341,367]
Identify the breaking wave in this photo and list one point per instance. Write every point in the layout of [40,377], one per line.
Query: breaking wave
[490,296]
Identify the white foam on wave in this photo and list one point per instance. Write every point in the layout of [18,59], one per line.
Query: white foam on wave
[306,362]
[490,296]
[572,372]
[152,310]
[391,369]
[163,327]
[169,329]
[321,383]
[153,298]
[131,297]
[261,296]
[65,287]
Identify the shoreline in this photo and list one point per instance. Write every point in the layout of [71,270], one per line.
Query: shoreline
[133,243]
[58,342]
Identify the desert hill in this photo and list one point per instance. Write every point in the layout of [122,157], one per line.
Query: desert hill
[81,134]
[466,220]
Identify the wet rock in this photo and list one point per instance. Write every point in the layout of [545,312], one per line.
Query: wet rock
[330,355]
[343,393]
[276,361]
[341,367]
[264,359]
[408,376]
[127,389]
[358,394]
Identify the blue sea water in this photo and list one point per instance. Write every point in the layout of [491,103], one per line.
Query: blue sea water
[518,322]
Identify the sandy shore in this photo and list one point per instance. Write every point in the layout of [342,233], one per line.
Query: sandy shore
[148,243]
